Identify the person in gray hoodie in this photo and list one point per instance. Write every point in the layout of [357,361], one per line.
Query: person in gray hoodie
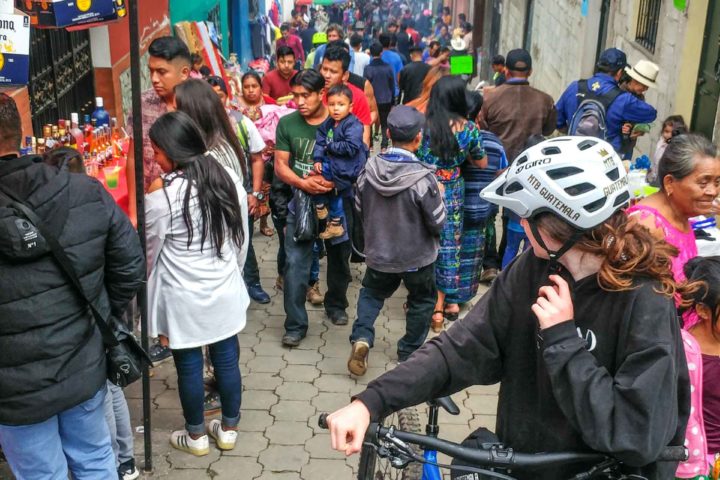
[402,209]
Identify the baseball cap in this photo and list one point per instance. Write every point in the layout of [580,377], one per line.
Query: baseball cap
[613,58]
[518,60]
[359,25]
[404,123]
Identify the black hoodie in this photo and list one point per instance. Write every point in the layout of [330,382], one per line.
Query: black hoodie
[612,380]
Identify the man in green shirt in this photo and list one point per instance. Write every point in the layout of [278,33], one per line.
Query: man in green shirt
[295,139]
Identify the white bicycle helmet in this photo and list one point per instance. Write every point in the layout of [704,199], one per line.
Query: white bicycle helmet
[581,180]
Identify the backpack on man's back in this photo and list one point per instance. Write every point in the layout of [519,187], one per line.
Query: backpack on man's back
[590,118]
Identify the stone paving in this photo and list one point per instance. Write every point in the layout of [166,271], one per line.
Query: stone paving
[285,390]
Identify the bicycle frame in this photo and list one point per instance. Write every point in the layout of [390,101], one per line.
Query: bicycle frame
[430,470]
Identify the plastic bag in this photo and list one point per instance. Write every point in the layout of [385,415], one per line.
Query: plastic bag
[306,222]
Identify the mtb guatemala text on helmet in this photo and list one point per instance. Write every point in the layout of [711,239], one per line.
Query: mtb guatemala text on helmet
[581,180]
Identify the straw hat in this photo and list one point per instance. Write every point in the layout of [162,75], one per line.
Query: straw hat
[458,43]
[645,72]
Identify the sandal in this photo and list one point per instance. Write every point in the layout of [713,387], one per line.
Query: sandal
[437,325]
[451,316]
[267,230]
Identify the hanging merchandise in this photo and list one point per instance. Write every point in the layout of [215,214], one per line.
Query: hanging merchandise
[681,5]
[14,49]
[584,8]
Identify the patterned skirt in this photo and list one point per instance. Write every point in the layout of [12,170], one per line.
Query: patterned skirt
[447,266]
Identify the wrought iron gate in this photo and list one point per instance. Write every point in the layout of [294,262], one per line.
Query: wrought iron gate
[61,75]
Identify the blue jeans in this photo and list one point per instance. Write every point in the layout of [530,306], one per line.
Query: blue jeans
[189,363]
[117,417]
[315,266]
[513,246]
[334,203]
[378,286]
[77,438]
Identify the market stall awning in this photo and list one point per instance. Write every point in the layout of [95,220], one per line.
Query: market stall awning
[300,3]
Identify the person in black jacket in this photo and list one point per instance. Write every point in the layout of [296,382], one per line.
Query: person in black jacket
[52,370]
[581,331]
[382,78]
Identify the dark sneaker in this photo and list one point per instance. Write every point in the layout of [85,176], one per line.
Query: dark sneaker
[212,403]
[358,362]
[127,470]
[158,353]
[290,340]
[258,294]
[338,317]
[488,275]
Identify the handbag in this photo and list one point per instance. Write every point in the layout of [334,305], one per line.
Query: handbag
[125,358]
[306,222]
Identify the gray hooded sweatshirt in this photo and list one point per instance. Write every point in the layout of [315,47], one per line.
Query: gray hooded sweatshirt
[402,210]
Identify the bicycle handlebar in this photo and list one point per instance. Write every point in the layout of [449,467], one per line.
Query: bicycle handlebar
[499,457]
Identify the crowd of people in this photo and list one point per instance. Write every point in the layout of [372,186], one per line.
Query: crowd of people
[360,121]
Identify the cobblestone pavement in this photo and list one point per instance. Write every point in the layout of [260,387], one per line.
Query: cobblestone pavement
[285,390]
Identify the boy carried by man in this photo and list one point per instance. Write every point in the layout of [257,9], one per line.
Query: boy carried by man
[339,155]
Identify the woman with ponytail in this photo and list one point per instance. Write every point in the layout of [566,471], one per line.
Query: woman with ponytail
[196,248]
[580,331]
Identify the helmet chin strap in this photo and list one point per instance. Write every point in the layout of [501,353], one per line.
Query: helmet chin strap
[553,255]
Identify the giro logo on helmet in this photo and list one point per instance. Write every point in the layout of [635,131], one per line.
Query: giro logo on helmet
[535,163]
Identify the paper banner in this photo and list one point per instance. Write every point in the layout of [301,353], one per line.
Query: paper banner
[681,5]
[584,8]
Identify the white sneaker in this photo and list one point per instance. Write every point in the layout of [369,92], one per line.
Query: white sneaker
[182,440]
[225,439]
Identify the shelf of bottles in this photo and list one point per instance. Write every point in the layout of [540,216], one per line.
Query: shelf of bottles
[99,140]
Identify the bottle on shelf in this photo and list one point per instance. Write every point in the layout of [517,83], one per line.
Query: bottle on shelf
[76,132]
[40,149]
[100,115]
[87,133]
[48,142]
[115,140]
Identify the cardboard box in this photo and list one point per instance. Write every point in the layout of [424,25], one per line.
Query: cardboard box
[14,49]
[68,13]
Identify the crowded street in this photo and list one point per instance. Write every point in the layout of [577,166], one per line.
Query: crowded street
[359,239]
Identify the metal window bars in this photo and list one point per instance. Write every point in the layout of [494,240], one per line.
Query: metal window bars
[647,26]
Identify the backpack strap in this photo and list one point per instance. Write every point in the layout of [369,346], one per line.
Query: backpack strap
[606,99]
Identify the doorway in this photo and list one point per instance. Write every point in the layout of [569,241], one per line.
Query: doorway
[707,94]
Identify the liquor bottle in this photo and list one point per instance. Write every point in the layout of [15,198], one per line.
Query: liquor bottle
[40,149]
[63,140]
[87,132]
[57,143]
[29,150]
[115,140]
[100,115]
[76,132]
[47,137]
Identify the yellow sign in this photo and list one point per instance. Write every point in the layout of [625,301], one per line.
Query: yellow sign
[84,5]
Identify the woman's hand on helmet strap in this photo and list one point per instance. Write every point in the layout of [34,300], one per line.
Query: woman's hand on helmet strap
[554,303]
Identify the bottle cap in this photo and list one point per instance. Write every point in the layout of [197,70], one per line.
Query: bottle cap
[99,101]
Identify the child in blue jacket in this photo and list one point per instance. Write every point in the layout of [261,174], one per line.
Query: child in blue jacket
[339,156]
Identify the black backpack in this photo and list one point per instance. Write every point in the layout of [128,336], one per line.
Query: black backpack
[590,118]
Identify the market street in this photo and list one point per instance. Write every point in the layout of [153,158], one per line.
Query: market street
[285,391]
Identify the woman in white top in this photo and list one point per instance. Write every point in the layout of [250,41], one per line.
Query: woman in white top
[196,248]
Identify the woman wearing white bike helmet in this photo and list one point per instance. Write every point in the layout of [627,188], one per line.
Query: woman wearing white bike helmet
[581,331]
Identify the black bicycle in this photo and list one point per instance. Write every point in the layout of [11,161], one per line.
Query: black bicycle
[386,447]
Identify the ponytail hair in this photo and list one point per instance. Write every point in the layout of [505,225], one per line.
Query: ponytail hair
[628,250]
[179,137]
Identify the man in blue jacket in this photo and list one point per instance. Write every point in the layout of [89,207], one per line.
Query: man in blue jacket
[626,108]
